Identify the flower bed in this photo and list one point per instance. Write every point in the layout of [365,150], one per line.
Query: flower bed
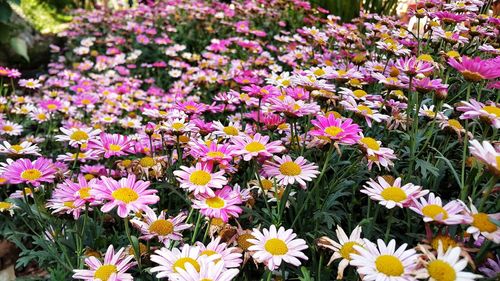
[213,141]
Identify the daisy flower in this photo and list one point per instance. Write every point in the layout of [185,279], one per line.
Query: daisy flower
[10,128]
[7,207]
[30,172]
[432,209]
[487,154]
[113,267]
[475,69]
[30,83]
[343,248]
[111,144]
[211,152]
[223,205]
[208,270]
[392,195]
[474,109]
[274,246]
[445,266]
[256,146]
[384,262]
[484,224]
[77,136]
[336,129]
[287,171]
[231,130]
[170,261]
[200,179]
[165,229]
[127,195]
[24,148]
[178,126]
[375,153]
[229,255]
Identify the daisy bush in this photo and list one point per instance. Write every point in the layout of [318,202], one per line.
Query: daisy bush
[258,140]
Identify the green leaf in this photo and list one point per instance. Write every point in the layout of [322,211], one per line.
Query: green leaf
[19,46]
[5,12]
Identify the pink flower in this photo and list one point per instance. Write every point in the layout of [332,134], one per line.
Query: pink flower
[255,146]
[160,226]
[34,173]
[343,131]
[111,144]
[287,171]
[200,179]
[113,267]
[412,66]
[127,195]
[223,205]
[476,69]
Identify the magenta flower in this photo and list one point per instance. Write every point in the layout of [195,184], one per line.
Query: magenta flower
[342,131]
[223,205]
[127,195]
[34,173]
[413,66]
[476,69]
[111,144]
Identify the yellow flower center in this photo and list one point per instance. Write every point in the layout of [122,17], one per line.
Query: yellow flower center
[242,240]
[162,227]
[86,102]
[215,154]
[359,93]
[267,184]
[472,76]
[348,249]
[79,136]
[215,202]
[455,124]
[191,107]
[492,110]
[333,130]
[371,143]
[290,169]
[319,72]
[182,262]
[200,177]
[31,174]
[5,205]
[255,147]
[17,147]
[425,57]
[430,113]
[483,223]
[393,193]
[365,109]
[441,271]
[8,128]
[147,162]
[84,192]
[51,106]
[276,247]
[444,240]
[389,265]
[230,130]
[69,204]
[115,147]
[177,126]
[125,194]
[105,271]
[433,211]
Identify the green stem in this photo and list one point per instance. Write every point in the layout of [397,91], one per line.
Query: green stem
[127,231]
[389,224]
